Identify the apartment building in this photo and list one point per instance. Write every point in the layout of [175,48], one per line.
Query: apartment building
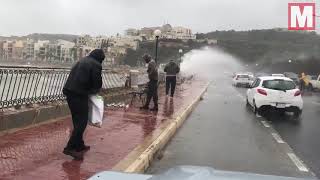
[167,31]
[7,48]
[28,50]
[17,50]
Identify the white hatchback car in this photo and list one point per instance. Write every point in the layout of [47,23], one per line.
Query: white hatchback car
[278,75]
[271,92]
[242,80]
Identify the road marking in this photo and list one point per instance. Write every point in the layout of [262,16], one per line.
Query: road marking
[298,162]
[316,103]
[277,138]
[266,124]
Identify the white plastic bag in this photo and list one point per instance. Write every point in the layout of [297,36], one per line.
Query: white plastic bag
[96,109]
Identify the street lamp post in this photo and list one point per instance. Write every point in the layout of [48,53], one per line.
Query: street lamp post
[157,34]
[180,54]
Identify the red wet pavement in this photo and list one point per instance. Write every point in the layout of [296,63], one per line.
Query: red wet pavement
[36,153]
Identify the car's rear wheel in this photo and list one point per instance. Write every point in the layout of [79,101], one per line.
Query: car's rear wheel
[247,102]
[297,113]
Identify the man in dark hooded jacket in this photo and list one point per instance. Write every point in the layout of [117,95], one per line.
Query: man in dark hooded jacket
[84,79]
[171,77]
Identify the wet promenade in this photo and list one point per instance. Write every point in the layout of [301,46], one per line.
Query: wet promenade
[36,153]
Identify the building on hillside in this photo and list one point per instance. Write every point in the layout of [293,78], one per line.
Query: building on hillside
[40,49]
[132,32]
[28,51]
[182,33]
[147,33]
[7,48]
[168,32]
[64,51]
[17,50]
[96,42]
[167,28]
[125,42]
[81,51]
[117,51]
[1,50]
[83,40]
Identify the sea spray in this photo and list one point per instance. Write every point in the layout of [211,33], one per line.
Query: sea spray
[209,63]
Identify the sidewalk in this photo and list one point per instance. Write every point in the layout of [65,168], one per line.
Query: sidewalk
[36,153]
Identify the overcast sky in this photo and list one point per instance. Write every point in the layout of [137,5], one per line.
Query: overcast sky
[108,17]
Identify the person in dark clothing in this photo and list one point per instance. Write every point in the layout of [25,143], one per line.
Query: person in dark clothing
[172,69]
[84,79]
[152,84]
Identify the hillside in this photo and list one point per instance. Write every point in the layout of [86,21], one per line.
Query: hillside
[168,49]
[271,48]
[41,36]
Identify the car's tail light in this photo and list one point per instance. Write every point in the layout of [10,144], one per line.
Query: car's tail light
[262,91]
[297,93]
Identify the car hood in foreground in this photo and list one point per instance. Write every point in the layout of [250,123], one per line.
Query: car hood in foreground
[191,173]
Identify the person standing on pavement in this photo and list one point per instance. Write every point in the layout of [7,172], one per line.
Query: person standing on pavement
[84,79]
[152,84]
[172,69]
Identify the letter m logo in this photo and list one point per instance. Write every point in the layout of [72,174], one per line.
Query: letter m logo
[301,16]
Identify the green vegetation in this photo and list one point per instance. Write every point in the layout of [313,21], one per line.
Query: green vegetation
[168,49]
[272,48]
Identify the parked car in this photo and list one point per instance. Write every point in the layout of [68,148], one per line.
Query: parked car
[242,80]
[251,76]
[272,92]
[314,82]
[260,74]
[278,75]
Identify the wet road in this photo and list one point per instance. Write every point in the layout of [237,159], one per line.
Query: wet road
[303,137]
[222,133]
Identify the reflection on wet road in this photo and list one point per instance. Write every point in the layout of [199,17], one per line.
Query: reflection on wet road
[224,134]
[302,136]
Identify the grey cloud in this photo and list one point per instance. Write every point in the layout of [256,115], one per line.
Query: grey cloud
[110,16]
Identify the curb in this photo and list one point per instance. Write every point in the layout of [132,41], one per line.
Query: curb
[143,161]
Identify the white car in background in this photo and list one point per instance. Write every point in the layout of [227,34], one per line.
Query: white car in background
[251,75]
[270,92]
[242,80]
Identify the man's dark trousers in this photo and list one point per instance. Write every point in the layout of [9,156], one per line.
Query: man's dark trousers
[171,82]
[79,107]
[152,93]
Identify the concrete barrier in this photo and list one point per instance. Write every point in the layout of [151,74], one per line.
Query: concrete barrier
[12,120]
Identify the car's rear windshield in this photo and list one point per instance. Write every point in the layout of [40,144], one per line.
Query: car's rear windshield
[278,84]
[243,76]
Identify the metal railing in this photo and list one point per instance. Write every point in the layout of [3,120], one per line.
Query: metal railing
[24,85]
